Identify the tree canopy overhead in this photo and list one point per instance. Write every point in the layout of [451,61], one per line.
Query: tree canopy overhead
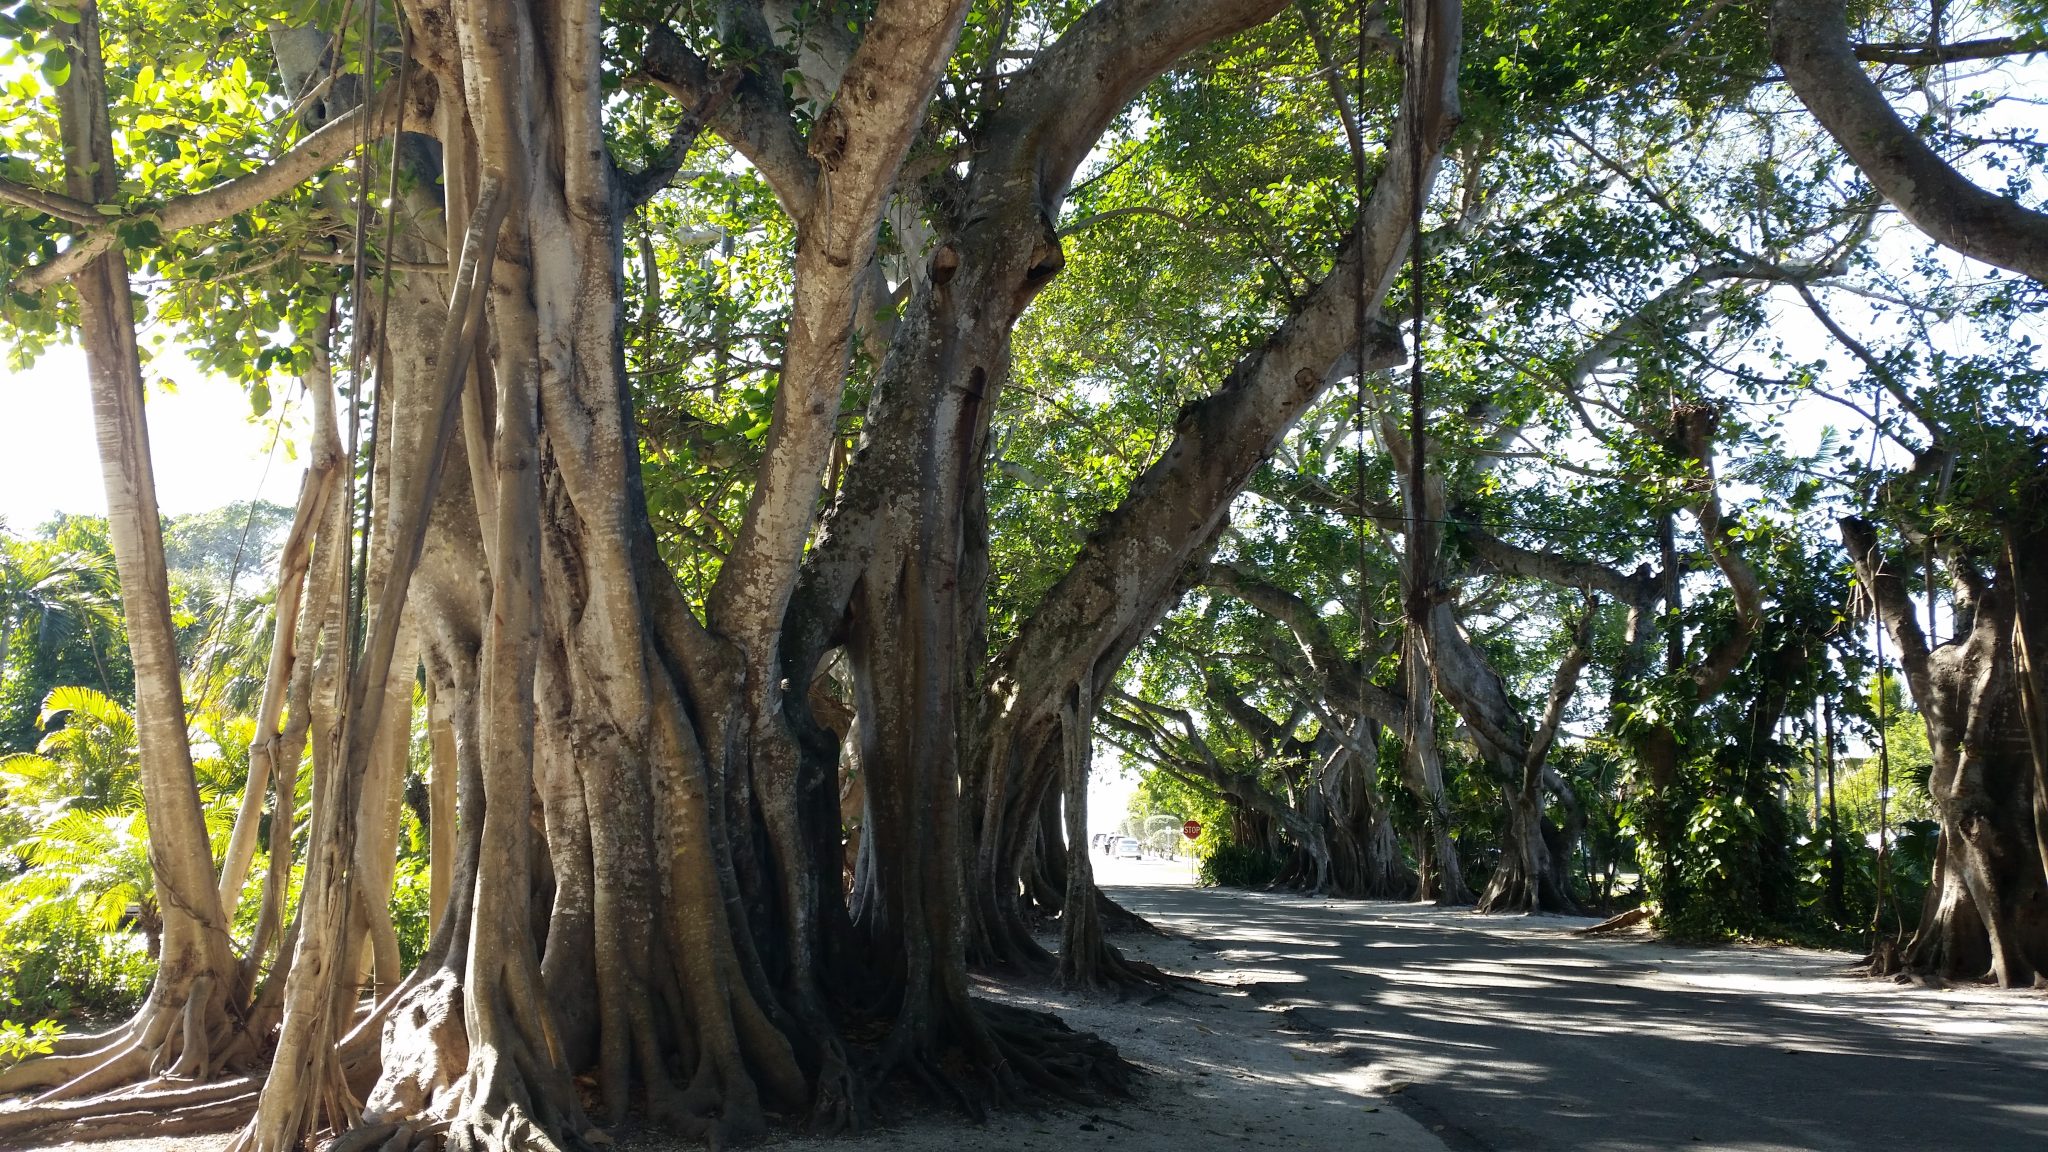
[761,450]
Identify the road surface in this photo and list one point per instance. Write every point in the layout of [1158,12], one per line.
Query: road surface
[1510,1033]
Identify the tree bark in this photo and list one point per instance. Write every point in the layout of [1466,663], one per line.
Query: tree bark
[1986,910]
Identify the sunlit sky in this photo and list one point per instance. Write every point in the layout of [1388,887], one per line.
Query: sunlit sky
[208,451]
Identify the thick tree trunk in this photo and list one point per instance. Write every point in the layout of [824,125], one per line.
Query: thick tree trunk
[1987,905]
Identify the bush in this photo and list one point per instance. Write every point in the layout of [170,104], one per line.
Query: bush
[409,893]
[1233,866]
[58,964]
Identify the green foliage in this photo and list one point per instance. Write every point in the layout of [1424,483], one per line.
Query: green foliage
[19,1042]
[78,915]
[58,965]
[60,623]
[1238,866]
[73,827]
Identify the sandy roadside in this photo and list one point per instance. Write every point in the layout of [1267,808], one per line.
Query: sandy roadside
[1223,1071]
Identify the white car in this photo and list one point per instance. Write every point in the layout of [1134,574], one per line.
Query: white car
[1127,849]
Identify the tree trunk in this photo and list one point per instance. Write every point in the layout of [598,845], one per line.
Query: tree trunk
[183,1022]
[1987,905]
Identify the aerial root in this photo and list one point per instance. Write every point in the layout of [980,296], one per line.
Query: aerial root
[839,1106]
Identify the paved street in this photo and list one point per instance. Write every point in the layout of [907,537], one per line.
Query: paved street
[1511,1033]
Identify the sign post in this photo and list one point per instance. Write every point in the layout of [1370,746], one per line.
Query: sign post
[1191,829]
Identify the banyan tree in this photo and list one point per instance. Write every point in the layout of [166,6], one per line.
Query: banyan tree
[739,768]
[642,905]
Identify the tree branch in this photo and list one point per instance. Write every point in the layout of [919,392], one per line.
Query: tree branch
[1341,678]
[639,187]
[50,203]
[1562,688]
[1132,567]
[754,118]
[1695,436]
[332,141]
[1638,587]
[858,144]
[1057,108]
[1893,603]
[1810,40]
[1883,374]
[1926,55]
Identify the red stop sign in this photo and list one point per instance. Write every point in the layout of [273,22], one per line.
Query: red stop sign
[1191,829]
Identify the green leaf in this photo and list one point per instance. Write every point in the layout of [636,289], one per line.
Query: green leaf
[56,66]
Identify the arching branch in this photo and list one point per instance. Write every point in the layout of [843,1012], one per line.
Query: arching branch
[1810,40]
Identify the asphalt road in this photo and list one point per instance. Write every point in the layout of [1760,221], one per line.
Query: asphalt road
[1510,1033]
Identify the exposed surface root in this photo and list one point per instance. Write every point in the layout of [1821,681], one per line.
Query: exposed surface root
[1617,922]
[1113,972]
[217,1107]
[509,1130]
[1117,918]
[1052,1061]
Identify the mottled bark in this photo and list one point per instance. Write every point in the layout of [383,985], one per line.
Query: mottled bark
[183,1025]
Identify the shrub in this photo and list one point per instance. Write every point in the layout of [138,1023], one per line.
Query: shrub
[19,1042]
[1234,866]
[56,962]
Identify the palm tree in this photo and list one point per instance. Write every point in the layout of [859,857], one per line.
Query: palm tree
[60,622]
[88,761]
[71,816]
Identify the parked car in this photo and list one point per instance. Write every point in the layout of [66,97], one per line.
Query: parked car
[1127,849]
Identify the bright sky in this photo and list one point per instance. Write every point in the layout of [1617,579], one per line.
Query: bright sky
[208,451]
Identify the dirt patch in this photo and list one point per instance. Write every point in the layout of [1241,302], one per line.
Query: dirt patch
[150,1144]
